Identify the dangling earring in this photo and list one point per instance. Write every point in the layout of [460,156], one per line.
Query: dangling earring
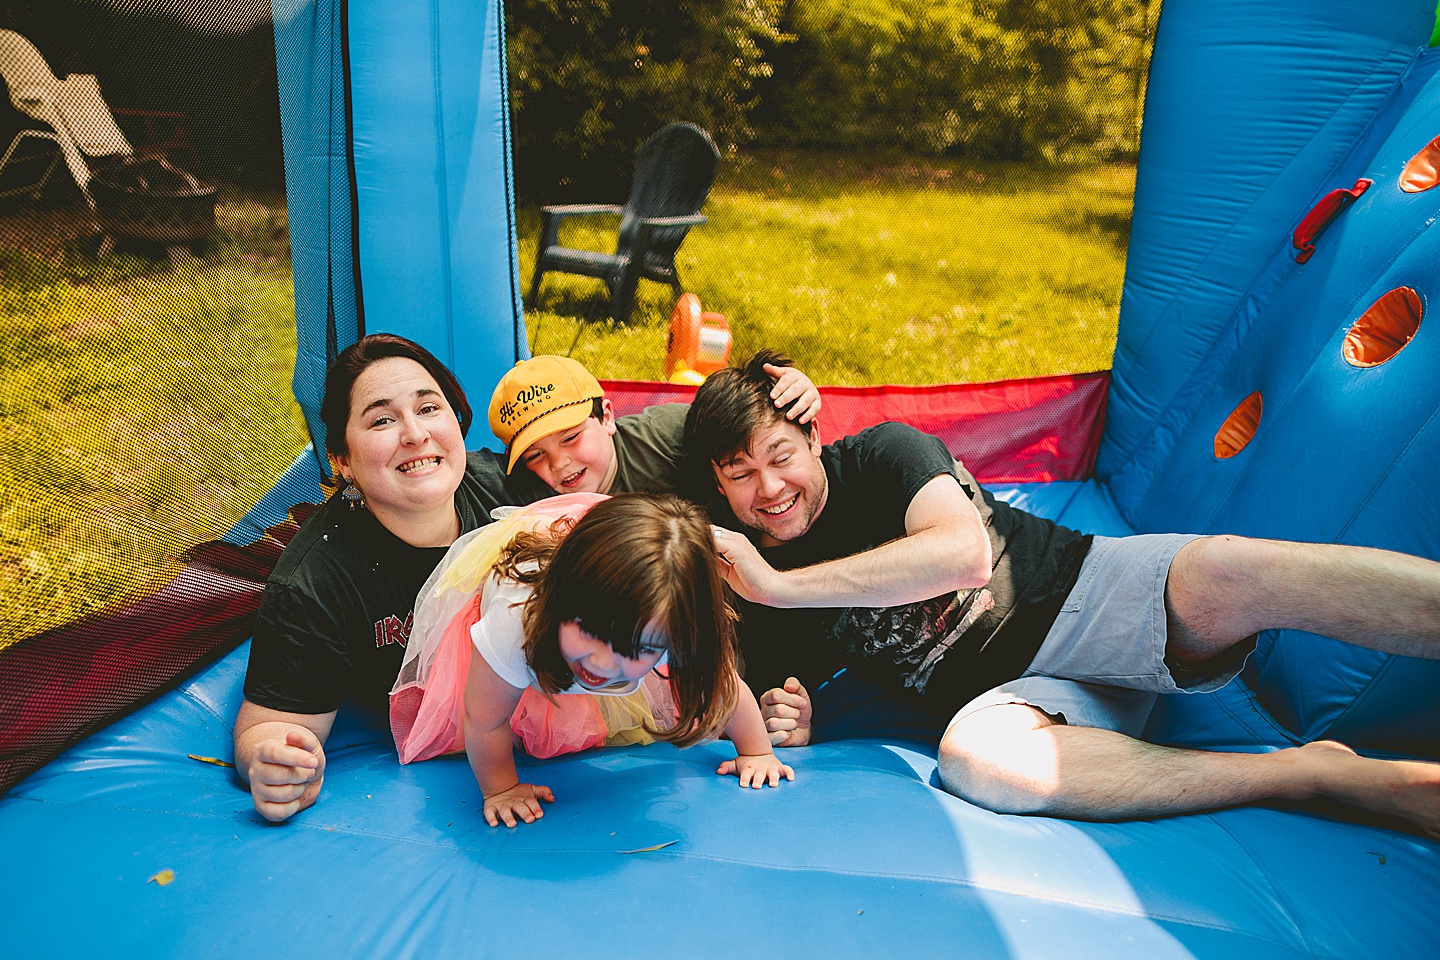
[351,495]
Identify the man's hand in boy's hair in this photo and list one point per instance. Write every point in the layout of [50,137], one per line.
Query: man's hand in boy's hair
[791,384]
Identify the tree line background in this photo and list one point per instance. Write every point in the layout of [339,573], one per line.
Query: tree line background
[1029,80]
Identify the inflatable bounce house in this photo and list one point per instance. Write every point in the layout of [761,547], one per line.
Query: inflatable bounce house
[1275,375]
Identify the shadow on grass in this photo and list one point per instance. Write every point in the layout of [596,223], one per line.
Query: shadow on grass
[1113,226]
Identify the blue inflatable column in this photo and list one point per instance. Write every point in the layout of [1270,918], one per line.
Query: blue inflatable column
[397,145]
[311,66]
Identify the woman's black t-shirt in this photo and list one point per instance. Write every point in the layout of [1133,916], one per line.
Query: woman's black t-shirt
[337,610]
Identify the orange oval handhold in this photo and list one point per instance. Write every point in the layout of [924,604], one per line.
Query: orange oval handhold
[1384,329]
[1423,170]
[1239,428]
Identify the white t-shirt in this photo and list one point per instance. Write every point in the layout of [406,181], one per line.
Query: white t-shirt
[499,637]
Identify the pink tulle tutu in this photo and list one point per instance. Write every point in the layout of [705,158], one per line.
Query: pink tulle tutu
[428,700]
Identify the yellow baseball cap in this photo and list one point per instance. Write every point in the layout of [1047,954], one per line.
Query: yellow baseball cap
[538,397]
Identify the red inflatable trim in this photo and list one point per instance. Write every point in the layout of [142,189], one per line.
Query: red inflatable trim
[1010,431]
[64,684]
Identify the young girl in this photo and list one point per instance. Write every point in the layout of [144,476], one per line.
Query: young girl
[581,623]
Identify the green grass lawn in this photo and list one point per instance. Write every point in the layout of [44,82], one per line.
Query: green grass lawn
[868,271]
[144,406]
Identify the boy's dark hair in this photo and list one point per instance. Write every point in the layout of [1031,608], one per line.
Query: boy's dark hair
[634,563]
[732,405]
[356,358]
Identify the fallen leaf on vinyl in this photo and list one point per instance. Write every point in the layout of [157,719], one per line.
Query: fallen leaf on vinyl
[215,760]
[658,846]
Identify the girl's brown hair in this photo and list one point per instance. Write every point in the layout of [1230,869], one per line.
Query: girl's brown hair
[633,563]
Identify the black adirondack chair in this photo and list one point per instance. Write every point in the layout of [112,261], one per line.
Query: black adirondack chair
[673,173]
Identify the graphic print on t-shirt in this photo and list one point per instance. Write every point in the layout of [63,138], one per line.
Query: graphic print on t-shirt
[394,630]
[913,636]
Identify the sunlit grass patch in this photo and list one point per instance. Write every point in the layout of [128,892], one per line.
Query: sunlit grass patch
[145,408]
[870,270]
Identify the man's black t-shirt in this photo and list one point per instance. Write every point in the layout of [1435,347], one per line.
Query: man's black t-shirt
[948,649]
[337,610]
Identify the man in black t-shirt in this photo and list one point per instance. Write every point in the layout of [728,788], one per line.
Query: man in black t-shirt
[920,656]
[881,554]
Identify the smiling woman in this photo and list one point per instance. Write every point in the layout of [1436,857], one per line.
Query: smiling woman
[338,609]
[403,452]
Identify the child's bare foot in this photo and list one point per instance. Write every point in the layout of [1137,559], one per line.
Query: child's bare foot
[1406,790]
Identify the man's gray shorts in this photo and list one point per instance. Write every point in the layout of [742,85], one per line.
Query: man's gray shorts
[1103,662]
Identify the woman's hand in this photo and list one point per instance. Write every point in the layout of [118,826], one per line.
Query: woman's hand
[791,384]
[757,770]
[521,800]
[286,774]
[281,757]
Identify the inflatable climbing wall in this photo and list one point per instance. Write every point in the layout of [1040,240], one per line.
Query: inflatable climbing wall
[1275,360]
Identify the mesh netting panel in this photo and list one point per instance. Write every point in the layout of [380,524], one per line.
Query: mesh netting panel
[146,345]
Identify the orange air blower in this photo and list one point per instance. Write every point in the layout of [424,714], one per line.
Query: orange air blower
[699,342]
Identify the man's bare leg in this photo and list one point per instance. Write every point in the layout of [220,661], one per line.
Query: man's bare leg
[1221,590]
[1014,758]
[1224,589]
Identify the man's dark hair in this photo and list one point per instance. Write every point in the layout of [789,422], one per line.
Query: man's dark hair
[732,405]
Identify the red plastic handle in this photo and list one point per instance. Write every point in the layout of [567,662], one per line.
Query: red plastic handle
[1320,216]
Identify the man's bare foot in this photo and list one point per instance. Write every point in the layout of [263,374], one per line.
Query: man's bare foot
[1405,790]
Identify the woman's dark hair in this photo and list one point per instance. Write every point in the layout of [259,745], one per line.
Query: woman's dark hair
[732,405]
[356,358]
[635,569]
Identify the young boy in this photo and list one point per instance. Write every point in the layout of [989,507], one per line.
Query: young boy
[554,418]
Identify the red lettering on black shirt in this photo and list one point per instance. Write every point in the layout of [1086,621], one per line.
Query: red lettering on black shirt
[392,630]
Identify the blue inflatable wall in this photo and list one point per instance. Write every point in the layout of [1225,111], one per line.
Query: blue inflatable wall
[1216,307]
[397,175]
[1257,110]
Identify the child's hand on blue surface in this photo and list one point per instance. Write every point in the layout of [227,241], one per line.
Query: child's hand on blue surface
[757,771]
[521,800]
